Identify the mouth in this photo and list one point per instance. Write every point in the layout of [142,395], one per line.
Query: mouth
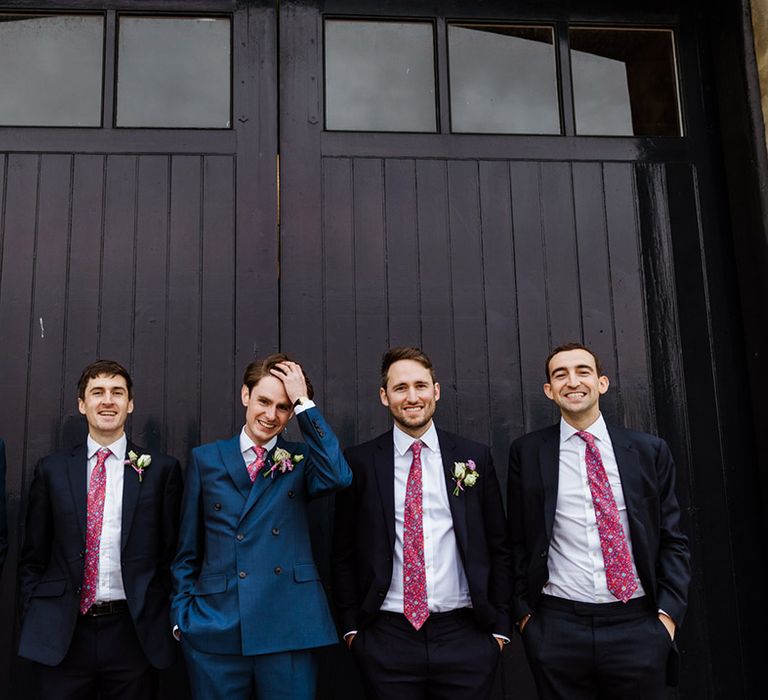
[107,414]
[265,425]
[412,409]
[576,395]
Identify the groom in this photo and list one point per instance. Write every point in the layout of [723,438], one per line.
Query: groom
[249,606]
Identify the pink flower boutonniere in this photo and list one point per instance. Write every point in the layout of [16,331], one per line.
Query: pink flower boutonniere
[282,462]
[465,475]
[138,462]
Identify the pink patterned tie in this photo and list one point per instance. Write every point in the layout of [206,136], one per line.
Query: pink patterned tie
[414,575]
[95,518]
[618,563]
[255,466]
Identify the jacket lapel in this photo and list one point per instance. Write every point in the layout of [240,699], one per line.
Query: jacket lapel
[77,470]
[458,504]
[549,463]
[631,475]
[384,469]
[259,487]
[131,489]
[232,459]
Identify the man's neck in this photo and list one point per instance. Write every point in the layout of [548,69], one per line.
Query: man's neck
[105,439]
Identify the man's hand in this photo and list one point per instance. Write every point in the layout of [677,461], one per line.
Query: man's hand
[348,640]
[669,624]
[500,642]
[290,374]
[523,621]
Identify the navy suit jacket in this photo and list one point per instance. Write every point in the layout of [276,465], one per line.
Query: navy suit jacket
[364,533]
[3,516]
[52,558]
[245,579]
[647,473]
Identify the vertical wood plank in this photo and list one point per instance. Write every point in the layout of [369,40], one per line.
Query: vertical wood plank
[219,394]
[467,275]
[182,397]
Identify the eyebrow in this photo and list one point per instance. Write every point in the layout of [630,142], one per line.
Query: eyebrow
[565,369]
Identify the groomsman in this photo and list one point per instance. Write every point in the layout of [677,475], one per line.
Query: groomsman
[421,563]
[601,567]
[249,606]
[94,571]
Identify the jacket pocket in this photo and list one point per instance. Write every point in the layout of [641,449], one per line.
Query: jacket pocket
[208,585]
[305,572]
[50,589]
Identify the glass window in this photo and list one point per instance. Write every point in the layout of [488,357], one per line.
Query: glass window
[51,70]
[174,72]
[625,82]
[379,76]
[503,79]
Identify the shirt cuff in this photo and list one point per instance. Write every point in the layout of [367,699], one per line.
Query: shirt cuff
[502,637]
[309,403]
[350,633]
[176,634]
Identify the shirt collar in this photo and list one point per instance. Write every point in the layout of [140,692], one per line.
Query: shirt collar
[247,444]
[117,448]
[403,441]
[598,429]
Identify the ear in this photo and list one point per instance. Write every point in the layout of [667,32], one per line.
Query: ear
[548,391]
[130,406]
[245,394]
[383,397]
[81,406]
[437,391]
[602,384]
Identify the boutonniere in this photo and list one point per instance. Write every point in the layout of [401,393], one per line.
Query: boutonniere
[139,463]
[282,462]
[465,474]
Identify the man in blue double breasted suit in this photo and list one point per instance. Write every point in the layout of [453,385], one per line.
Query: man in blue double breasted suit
[248,603]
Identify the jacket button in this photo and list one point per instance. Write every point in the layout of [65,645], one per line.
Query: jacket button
[217,506]
[278,570]
[382,594]
[78,589]
[82,554]
[291,494]
[275,531]
[242,574]
[543,554]
[240,537]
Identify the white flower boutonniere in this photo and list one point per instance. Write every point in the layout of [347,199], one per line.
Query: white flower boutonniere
[282,462]
[465,475]
[139,463]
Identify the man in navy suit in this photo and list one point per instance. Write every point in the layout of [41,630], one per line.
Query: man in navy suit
[94,571]
[601,567]
[249,606]
[3,516]
[421,563]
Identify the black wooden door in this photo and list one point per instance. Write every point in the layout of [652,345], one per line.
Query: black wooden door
[487,250]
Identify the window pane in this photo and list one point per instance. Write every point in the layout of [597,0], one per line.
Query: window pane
[379,76]
[625,82]
[50,70]
[174,72]
[503,79]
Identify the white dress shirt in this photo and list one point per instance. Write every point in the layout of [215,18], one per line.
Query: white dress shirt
[576,566]
[110,581]
[447,587]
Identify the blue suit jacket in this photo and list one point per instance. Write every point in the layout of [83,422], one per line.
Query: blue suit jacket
[3,516]
[245,580]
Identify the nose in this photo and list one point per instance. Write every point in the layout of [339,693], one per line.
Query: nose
[573,378]
[412,395]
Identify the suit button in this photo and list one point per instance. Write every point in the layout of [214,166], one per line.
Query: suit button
[82,554]
[275,531]
[242,574]
[543,554]
[291,494]
[278,570]
[217,506]
[382,594]
[78,589]
[240,536]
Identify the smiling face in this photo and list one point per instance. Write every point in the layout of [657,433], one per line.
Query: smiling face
[575,386]
[267,409]
[106,406]
[410,395]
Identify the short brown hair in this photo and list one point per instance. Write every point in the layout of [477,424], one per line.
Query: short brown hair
[404,352]
[572,346]
[258,369]
[109,368]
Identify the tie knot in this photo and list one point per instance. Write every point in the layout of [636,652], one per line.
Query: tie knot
[587,437]
[102,454]
[416,448]
[259,451]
